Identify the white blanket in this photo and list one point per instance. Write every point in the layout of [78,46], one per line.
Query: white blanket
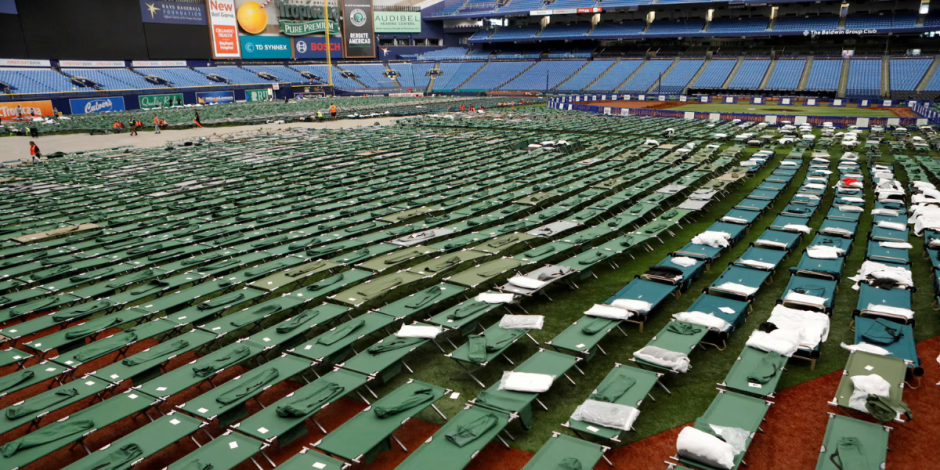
[869,348]
[805,299]
[852,199]
[824,252]
[712,239]
[705,319]
[813,327]
[527,282]
[606,311]
[608,415]
[865,385]
[814,186]
[636,306]
[892,225]
[733,220]
[522,322]
[887,212]
[784,342]
[738,288]
[878,270]
[837,231]
[796,228]
[757,264]
[684,261]
[494,298]
[896,245]
[676,361]
[847,208]
[772,243]
[526,382]
[705,448]
[418,331]
[890,311]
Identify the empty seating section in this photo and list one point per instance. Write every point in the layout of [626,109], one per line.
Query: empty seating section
[749,75]
[824,75]
[178,76]
[545,75]
[448,53]
[907,73]
[884,21]
[743,25]
[513,32]
[36,80]
[112,79]
[715,74]
[934,83]
[321,71]
[371,75]
[675,28]
[811,23]
[479,54]
[521,6]
[413,75]
[617,74]
[620,29]
[481,35]
[565,31]
[495,75]
[680,75]
[585,76]
[233,74]
[864,78]
[284,74]
[455,73]
[786,75]
[646,77]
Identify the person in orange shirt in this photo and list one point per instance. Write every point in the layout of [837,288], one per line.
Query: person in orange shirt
[462,108]
[34,152]
[333,111]
[197,120]
[156,124]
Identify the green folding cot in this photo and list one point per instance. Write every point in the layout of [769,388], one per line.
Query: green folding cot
[891,369]
[583,337]
[731,410]
[544,252]
[61,318]
[71,341]
[252,317]
[150,362]
[42,304]
[199,370]
[226,402]
[463,317]
[481,349]
[422,300]
[511,402]
[141,443]
[294,329]
[485,273]
[566,452]
[853,444]
[283,420]
[31,410]
[13,356]
[365,253]
[456,444]
[677,336]
[622,386]
[371,432]
[376,288]
[32,375]
[447,262]
[73,429]
[336,344]
[308,459]
[586,260]
[393,259]
[206,310]
[222,453]
[295,274]
[755,372]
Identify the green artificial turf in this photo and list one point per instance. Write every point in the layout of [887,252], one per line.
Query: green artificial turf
[775,109]
[691,392]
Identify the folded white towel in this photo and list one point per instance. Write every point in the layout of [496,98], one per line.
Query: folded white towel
[865,385]
[852,199]
[637,306]
[705,319]
[887,212]
[526,382]
[865,347]
[733,220]
[418,331]
[683,261]
[757,264]
[896,245]
[676,361]
[494,298]
[848,208]
[772,243]
[606,311]
[796,228]
[527,282]
[891,311]
[805,299]
[837,231]
[737,288]
[814,186]
[892,225]
[824,252]
[522,322]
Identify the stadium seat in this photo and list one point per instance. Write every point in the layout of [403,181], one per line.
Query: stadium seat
[586,75]
[715,74]
[545,75]
[616,75]
[824,75]
[749,75]
[786,75]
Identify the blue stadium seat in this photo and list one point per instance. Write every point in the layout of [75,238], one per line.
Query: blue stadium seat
[448,53]
[495,75]
[646,77]
[281,72]
[715,74]
[675,28]
[618,30]
[37,80]
[749,74]
[907,73]
[786,75]
[339,80]
[864,78]
[513,32]
[617,74]
[113,79]
[743,25]
[824,75]
[233,74]
[413,75]
[587,75]
[544,76]
[680,76]
[178,76]
[370,75]
[455,73]
[811,23]
[573,31]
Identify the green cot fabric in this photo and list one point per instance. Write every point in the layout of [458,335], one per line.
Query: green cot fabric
[261,312]
[569,463]
[234,357]
[443,264]
[118,458]
[197,465]
[155,352]
[142,276]
[30,307]
[467,433]
[765,370]
[468,310]
[308,402]
[882,332]
[397,343]
[92,326]
[294,323]
[105,346]
[340,332]
[50,433]
[683,328]
[326,283]
[37,404]
[249,386]
[613,389]
[476,348]
[597,325]
[15,379]
[494,340]
[150,287]
[424,298]
[418,397]
[849,455]
[886,409]
[222,300]
[81,311]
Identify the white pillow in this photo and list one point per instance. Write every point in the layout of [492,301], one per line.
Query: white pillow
[704,448]
[638,306]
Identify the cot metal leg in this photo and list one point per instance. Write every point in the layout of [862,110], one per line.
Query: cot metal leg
[371,392]
[569,379]
[510,436]
[608,461]
[503,441]
[256,463]
[403,448]
[439,412]
[439,346]
[319,425]
[195,441]
[363,398]
[268,459]
[651,397]
[509,360]
[599,348]
[663,386]
[406,367]
[541,404]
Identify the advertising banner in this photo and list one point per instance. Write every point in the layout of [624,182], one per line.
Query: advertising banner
[265,47]
[215,97]
[96,105]
[397,22]
[293,28]
[32,108]
[358,30]
[315,48]
[160,101]
[173,11]
[258,95]
[25,63]
[90,64]
[158,63]
[223,29]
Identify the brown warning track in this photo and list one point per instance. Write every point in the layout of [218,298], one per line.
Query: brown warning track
[794,430]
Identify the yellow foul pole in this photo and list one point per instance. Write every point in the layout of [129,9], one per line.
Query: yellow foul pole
[326,34]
